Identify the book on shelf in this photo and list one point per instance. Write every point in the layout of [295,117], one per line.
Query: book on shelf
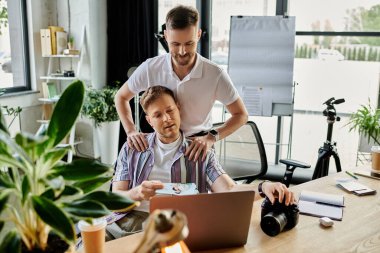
[61,41]
[71,52]
[45,42]
[53,36]
[321,204]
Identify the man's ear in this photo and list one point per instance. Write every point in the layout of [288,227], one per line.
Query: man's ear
[179,107]
[148,120]
[165,33]
[199,34]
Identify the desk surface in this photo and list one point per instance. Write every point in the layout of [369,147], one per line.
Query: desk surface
[359,231]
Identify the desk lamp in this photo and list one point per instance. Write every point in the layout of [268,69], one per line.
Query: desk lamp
[165,232]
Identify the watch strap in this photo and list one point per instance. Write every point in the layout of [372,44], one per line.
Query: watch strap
[260,188]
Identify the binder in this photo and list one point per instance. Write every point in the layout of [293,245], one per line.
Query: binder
[45,42]
[53,36]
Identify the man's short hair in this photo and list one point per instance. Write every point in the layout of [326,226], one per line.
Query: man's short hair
[181,17]
[152,94]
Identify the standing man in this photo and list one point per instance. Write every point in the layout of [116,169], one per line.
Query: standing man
[196,82]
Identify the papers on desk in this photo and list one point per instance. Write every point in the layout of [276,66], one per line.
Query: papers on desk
[356,188]
[321,204]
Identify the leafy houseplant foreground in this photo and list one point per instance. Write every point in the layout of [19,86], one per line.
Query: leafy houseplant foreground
[40,194]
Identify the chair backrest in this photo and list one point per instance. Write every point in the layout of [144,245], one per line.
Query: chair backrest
[242,154]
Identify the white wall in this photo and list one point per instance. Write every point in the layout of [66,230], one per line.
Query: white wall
[41,14]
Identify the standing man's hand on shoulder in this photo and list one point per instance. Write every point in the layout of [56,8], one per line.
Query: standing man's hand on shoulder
[137,140]
[199,146]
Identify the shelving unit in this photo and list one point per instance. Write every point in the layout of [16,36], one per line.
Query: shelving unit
[51,76]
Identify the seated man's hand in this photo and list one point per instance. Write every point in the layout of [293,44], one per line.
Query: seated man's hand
[147,189]
[199,146]
[137,140]
[278,190]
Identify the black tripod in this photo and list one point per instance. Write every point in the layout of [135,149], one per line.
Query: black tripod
[329,148]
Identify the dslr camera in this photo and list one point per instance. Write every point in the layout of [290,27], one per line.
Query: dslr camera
[278,217]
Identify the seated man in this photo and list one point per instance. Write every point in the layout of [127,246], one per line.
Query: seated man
[139,174]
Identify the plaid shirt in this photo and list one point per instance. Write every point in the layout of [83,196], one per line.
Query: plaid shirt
[136,166]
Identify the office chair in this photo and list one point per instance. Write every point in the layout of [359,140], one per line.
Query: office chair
[243,157]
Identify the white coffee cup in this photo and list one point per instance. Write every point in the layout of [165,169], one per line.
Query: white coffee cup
[93,235]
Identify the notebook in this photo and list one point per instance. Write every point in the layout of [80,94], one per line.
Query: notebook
[321,204]
[215,220]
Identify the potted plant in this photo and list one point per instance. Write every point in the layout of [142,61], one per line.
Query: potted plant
[366,120]
[70,43]
[41,195]
[99,106]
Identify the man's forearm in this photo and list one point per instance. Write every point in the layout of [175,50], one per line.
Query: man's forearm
[239,116]
[131,194]
[125,113]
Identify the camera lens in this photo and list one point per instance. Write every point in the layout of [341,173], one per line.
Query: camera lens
[273,223]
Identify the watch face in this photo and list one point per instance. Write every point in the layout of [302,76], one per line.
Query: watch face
[213,132]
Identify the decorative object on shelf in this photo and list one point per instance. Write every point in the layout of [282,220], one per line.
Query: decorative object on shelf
[70,43]
[52,90]
[71,52]
[100,107]
[61,41]
[48,194]
[366,120]
[68,73]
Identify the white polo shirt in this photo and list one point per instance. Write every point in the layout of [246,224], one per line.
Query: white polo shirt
[196,93]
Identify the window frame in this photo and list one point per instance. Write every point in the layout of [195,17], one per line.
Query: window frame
[25,54]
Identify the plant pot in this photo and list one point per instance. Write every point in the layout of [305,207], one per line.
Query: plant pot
[55,245]
[106,141]
[375,150]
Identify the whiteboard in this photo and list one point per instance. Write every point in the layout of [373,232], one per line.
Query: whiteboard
[260,64]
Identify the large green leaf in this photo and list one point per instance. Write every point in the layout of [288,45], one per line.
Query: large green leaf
[11,243]
[66,111]
[92,184]
[4,195]
[30,143]
[82,169]
[111,200]
[86,208]
[68,191]
[12,145]
[51,158]
[25,187]
[54,217]
[5,181]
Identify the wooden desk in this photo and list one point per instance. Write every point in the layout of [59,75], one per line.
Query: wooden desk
[359,231]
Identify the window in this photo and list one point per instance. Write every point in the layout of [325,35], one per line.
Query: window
[222,10]
[337,55]
[14,72]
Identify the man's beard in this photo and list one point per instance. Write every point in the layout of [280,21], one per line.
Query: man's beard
[183,60]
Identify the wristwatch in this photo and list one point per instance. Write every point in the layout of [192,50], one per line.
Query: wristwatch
[260,188]
[215,134]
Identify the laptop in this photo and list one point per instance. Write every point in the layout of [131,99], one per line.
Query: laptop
[215,220]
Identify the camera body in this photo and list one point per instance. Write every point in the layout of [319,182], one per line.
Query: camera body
[278,217]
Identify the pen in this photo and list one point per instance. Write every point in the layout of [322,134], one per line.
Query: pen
[352,175]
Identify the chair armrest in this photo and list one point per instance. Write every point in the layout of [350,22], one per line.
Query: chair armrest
[295,163]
